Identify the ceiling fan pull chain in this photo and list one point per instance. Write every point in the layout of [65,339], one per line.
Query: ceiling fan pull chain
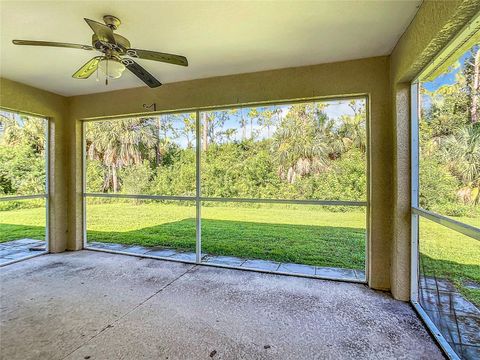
[106,75]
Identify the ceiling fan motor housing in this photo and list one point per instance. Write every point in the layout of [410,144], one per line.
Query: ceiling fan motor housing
[122,44]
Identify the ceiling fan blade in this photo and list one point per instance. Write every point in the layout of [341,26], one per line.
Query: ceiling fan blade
[54,44]
[141,73]
[103,32]
[158,56]
[88,69]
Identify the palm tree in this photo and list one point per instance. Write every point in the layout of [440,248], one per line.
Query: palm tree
[30,131]
[461,151]
[352,129]
[120,143]
[305,141]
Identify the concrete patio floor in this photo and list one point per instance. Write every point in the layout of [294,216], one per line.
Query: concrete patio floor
[96,305]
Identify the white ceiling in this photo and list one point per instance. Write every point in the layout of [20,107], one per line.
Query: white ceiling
[218,38]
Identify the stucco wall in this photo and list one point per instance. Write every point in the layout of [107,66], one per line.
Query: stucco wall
[23,98]
[365,76]
[384,79]
[436,23]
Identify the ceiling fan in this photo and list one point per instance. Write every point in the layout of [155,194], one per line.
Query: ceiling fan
[116,53]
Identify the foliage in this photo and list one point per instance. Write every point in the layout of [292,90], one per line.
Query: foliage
[289,152]
[438,185]
[179,177]
[94,173]
[305,142]
[118,144]
[136,178]
[302,154]
[22,155]
[450,142]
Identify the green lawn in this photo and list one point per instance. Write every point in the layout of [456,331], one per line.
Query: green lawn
[282,233]
[309,235]
[449,254]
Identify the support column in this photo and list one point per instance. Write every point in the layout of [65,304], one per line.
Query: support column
[57,183]
[74,148]
[400,271]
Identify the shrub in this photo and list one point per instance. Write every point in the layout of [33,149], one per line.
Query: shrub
[178,178]
[22,171]
[437,186]
[136,178]
[95,174]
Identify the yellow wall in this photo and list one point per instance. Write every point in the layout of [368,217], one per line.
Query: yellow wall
[436,23]
[366,76]
[23,98]
[384,79]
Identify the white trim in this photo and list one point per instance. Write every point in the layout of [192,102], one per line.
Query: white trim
[241,200]
[139,196]
[198,191]
[84,185]
[23,197]
[455,225]
[442,342]
[47,186]
[198,198]
[414,153]
[288,201]
[368,234]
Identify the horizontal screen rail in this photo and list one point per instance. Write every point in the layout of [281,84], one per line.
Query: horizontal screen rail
[465,229]
[219,199]
[23,197]
[287,201]
[140,197]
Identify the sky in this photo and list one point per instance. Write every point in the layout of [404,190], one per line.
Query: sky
[334,110]
[448,78]
[11,115]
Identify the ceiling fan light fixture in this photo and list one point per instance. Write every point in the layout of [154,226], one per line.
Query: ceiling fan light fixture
[112,68]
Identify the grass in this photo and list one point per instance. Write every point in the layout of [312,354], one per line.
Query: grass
[287,233]
[451,255]
[280,233]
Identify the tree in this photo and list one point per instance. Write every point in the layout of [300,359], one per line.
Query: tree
[305,141]
[22,154]
[188,128]
[26,130]
[119,143]
[213,126]
[475,87]
[353,128]
[266,118]
[461,152]
[450,132]
[471,73]
[205,125]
